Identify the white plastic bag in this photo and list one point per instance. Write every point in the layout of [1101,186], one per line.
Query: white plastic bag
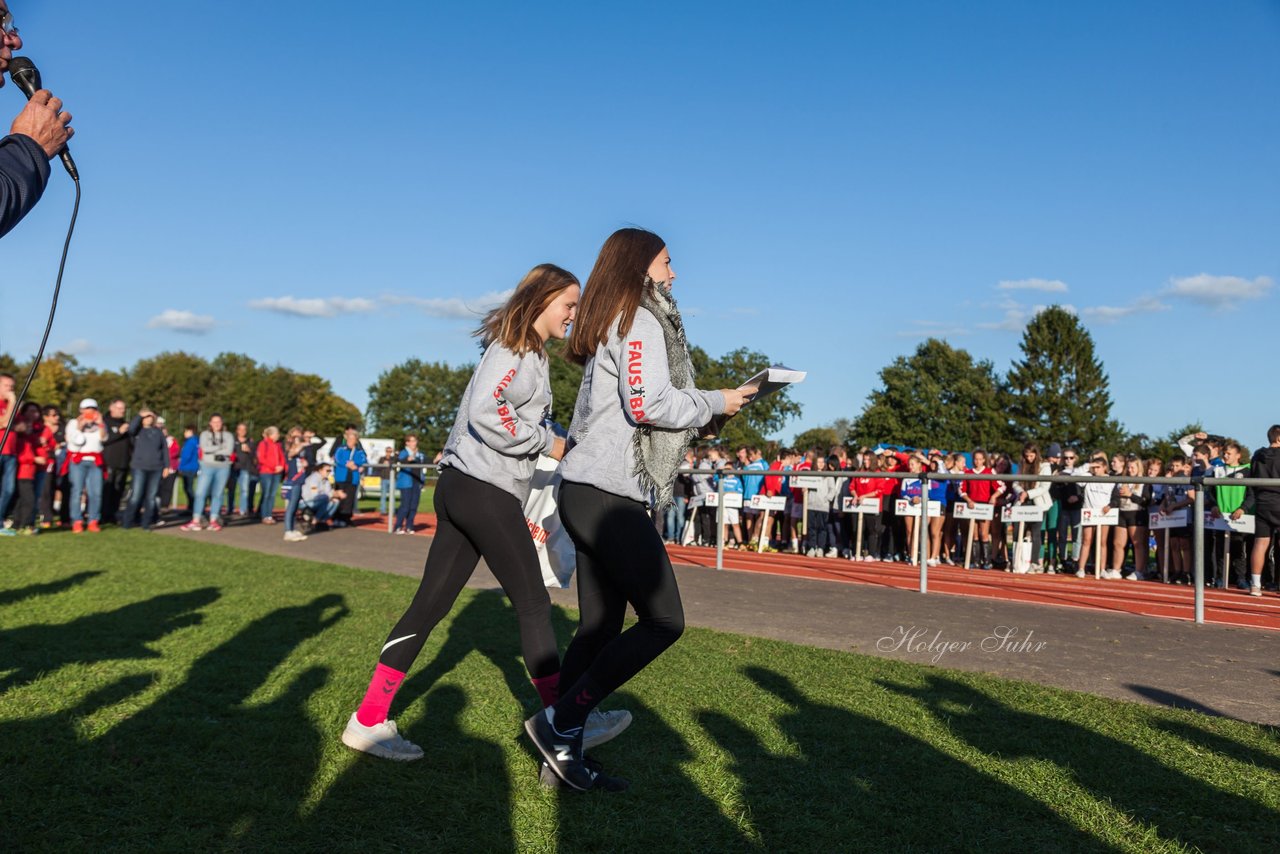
[1022,557]
[556,552]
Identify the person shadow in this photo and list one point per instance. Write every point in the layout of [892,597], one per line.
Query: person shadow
[249,763]
[1180,807]
[48,588]
[122,634]
[800,793]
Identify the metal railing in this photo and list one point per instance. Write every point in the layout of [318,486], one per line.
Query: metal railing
[926,476]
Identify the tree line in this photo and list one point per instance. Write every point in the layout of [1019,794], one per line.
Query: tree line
[184,389]
[941,397]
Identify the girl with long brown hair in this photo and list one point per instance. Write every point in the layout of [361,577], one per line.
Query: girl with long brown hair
[637,412]
[502,427]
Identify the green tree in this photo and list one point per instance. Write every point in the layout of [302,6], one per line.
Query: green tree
[566,378]
[418,397]
[818,437]
[937,397]
[1058,390]
[756,420]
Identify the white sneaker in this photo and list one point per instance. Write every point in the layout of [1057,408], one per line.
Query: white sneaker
[603,726]
[1112,574]
[294,536]
[1080,573]
[833,553]
[380,740]
[933,561]
[1255,591]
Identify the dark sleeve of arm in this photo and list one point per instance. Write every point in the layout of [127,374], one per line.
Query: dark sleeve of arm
[24,172]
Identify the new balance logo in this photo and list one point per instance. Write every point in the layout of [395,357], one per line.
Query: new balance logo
[563,753]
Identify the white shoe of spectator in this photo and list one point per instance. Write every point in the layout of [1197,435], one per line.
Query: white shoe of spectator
[1111,574]
[1255,591]
[1080,573]
[811,553]
[294,536]
[833,553]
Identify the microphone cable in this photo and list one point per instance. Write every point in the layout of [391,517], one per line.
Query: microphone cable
[53,308]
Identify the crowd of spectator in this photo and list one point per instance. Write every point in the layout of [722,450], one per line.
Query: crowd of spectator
[98,469]
[1053,541]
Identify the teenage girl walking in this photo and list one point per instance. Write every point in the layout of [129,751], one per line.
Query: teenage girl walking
[637,412]
[501,429]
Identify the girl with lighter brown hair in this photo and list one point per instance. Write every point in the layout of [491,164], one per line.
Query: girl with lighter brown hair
[637,412]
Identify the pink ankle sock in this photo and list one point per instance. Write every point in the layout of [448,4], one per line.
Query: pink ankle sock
[377,700]
[548,688]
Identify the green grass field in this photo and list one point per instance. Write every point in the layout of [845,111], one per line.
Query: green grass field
[169,694]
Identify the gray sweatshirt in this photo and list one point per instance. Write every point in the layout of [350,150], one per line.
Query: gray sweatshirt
[213,445]
[625,384]
[503,422]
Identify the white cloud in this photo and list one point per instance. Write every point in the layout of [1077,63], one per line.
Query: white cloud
[1112,313]
[1049,286]
[1017,316]
[181,321]
[314,306]
[1219,292]
[934,329]
[454,308]
[78,347]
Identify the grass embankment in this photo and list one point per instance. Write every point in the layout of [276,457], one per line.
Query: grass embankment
[161,693]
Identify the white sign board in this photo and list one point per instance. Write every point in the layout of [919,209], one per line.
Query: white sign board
[979,512]
[1093,518]
[772,503]
[865,505]
[712,499]
[1021,513]
[1243,525]
[1160,520]
[799,481]
[903,507]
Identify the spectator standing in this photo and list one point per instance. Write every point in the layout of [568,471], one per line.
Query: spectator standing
[975,492]
[51,481]
[295,477]
[383,472]
[1068,497]
[150,463]
[681,492]
[1226,501]
[1265,501]
[410,481]
[9,453]
[189,465]
[752,484]
[85,436]
[1051,558]
[1035,493]
[271,463]
[216,449]
[816,524]
[1134,501]
[867,485]
[348,463]
[1096,497]
[116,452]
[170,480]
[244,472]
[703,485]
[35,444]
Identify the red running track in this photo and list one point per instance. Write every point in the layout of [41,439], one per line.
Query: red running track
[1145,598]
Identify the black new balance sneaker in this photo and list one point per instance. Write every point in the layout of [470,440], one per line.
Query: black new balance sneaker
[603,782]
[561,751]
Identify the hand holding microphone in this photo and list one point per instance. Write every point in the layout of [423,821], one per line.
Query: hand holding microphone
[42,119]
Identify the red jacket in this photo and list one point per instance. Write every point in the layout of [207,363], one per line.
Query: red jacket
[773,485]
[270,457]
[30,445]
[980,491]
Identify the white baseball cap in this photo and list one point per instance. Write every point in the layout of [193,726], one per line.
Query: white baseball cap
[88,403]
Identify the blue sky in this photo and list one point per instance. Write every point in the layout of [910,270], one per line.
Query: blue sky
[337,187]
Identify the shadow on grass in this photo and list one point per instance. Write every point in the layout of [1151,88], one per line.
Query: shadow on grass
[198,769]
[856,782]
[1173,700]
[48,588]
[121,634]
[1181,807]
[1223,746]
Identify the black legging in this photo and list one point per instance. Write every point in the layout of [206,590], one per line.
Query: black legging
[621,560]
[474,518]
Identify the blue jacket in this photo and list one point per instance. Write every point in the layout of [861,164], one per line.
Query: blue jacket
[407,479]
[189,458]
[751,483]
[341,474]
[24,172]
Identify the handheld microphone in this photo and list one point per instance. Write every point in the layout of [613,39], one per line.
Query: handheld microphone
[25,75]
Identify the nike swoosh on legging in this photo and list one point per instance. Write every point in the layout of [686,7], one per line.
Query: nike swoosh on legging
[395,641]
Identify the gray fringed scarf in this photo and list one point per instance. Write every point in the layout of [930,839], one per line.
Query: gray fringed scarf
[659,452]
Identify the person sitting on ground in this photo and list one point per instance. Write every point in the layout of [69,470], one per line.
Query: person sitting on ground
[318,497]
